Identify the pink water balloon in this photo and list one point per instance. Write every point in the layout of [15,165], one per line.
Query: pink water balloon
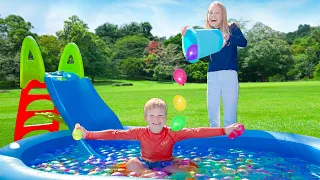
[180,76]
[236,133]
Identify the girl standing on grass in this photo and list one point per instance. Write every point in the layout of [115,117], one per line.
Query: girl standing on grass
[222,76]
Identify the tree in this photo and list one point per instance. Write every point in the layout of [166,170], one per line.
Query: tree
[197,71]
[169,59]
[303,67]
[160,39]
[303,30]
[259,32]
[242,64]
[306,51]
[13,30]
[69,27]
[16,29]
[301,44]
[145,29]
[136,29]
[108,32]
[177,40]
[132,67]
[266,55]
[98,59]
[316,73]
[130,46]
[50,48]
[10,69]
[130,29]
[314,51]
[93,49]
[267,58]
[153,47]
[7,47]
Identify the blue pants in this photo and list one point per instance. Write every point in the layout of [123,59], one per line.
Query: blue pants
[222,83]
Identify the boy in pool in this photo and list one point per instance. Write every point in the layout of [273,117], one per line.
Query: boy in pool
[156,140]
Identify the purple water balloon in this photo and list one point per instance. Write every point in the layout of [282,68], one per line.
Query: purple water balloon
[192,52]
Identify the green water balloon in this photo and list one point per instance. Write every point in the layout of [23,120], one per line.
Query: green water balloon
[178,123]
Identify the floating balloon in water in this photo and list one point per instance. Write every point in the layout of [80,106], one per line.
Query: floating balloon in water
[180,76]
[77,134]
[237,178]
[178,123]
[179,103]
[192,52]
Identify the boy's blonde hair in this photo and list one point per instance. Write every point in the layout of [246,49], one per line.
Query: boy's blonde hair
[225,26]
[155,103]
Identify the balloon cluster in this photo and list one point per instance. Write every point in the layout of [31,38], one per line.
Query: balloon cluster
[180,76]
[179,102]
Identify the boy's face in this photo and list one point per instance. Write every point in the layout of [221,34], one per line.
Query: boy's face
[156,119]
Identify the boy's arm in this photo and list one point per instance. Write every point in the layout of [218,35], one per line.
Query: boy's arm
[130,134]
[198,133]
[236,37]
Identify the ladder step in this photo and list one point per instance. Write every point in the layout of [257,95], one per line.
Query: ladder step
[48,126]
[30,113]
[33,97]
[30,98]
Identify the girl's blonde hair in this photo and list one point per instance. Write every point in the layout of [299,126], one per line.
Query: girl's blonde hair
[224,22]
[155,103]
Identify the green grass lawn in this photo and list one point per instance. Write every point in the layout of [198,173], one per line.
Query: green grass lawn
[286,107]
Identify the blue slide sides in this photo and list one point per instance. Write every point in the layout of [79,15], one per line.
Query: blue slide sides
[77,101]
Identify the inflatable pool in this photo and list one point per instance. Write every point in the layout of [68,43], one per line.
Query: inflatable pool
[254,155]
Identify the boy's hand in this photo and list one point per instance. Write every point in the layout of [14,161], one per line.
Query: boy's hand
[82,129]
[229,129]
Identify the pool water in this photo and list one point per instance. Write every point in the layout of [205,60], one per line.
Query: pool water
[213,163]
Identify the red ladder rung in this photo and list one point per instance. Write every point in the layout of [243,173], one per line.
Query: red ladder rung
[54,126]
[30,113]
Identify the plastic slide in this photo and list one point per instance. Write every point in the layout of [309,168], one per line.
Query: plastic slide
[78,102]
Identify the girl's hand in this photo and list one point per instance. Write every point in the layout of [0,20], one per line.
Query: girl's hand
[82,129]
[183,30]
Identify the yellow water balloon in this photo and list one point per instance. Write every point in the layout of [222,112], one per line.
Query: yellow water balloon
[179,103]
[77,134]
